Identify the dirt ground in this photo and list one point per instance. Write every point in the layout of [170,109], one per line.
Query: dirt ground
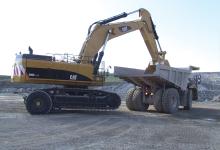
[120,129]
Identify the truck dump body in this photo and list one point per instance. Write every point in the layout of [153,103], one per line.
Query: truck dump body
[162,75]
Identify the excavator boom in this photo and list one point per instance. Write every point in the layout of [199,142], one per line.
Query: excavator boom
[96,38]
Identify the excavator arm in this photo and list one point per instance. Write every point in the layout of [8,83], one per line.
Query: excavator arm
[104,31]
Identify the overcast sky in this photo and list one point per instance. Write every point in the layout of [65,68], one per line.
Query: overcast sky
[189,30]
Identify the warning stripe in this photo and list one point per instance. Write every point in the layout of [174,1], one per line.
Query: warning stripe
[22,70]
[18,70]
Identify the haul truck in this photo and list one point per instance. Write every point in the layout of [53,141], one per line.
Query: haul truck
[77,74]
[165,87]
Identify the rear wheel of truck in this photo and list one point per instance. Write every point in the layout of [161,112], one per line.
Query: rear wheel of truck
[128,99]
[170,100]
[188,100]
[158,100]
[137,99]
[38,102]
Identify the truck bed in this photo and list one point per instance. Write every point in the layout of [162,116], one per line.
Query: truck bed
[162,75]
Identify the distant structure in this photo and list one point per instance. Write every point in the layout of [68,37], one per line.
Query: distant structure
[30,50]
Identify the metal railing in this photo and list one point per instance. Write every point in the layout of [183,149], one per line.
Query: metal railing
[69,58]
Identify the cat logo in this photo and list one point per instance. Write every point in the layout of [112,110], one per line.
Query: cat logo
[124,28]
[73,77]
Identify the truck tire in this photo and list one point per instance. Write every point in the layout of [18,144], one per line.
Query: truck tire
[158,100]
[170,100]
[188,100]
[38,102]
[138,100]
[128,99]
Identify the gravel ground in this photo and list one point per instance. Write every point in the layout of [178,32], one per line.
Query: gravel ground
[120,129]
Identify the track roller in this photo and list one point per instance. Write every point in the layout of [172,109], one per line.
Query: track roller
[114,101]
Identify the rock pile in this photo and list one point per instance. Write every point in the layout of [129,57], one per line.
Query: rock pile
[209,89]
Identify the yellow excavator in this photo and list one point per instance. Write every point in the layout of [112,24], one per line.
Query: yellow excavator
[77,73]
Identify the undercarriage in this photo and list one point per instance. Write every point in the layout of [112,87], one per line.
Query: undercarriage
[45,100]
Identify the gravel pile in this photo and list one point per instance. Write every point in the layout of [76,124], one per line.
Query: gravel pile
[119,88]
[209,89]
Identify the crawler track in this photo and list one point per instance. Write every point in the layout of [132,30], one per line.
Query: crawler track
[44,100]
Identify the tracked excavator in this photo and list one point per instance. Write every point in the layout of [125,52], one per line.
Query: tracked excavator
[76,74]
